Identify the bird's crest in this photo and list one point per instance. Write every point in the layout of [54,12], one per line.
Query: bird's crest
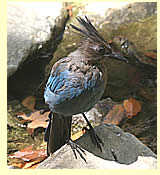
[89,31]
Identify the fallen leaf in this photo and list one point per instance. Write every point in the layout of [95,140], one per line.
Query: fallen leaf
[29,102]
[37,120]
[29,157]
[34,166]
[20,154]
[110,41]
[69,9]
[77,135]
[115,115]
[18,164]
[132,107]
[151,55]
[31,164]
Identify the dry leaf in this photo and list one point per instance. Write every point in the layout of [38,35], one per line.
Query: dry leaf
[29,157]
[22,153]
[110,41]
[132,107]
[77,135]
[69,9]
[115,115]
[37,120]
[18,164]
[32,165]
[151,55]
[29,102]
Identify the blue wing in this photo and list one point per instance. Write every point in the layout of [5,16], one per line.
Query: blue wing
[67,88]
[65,85]
[55,83]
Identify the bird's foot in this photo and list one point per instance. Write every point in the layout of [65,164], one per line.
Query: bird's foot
[95,139]
[76,148]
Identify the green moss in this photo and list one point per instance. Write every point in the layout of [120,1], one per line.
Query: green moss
[142,33]
[17,137]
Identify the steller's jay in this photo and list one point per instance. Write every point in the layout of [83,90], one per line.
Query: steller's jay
[76,83]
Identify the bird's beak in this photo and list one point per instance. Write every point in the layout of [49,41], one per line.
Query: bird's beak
[117,56]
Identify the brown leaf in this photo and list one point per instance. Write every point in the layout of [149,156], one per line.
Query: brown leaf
[115,115]
[34,166]
[28,154]
[18,164]
[29,102]
[20,154]
[132,107]
[110,41]
[30,164]
[29,157]
[37,120]
[69,9]
[151,55]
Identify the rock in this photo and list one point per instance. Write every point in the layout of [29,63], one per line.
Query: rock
[125,148]
[60,159]
[28,29]
[119,146]
[33,36]
[143,125]
[144,162]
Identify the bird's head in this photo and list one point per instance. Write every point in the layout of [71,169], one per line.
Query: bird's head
[93,42]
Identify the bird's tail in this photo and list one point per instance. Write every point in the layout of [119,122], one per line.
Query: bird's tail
[57,132]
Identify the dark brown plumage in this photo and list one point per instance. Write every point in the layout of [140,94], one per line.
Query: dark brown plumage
[76,84]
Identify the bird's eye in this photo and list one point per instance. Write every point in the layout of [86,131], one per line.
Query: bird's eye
[124,45]
[100,50]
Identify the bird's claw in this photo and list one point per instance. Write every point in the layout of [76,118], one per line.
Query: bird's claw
[76,148]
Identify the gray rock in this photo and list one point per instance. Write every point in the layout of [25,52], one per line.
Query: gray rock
[113,14]
[34,33]
[64,159]
[28,28]
[119,146]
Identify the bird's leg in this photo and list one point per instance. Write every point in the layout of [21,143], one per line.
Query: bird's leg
[75,147]
[95,138]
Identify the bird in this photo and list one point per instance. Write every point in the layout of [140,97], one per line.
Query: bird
[75,84]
